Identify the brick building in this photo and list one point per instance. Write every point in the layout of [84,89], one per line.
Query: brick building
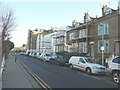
[96,34]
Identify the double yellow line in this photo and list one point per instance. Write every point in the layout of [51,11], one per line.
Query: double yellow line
[41,83]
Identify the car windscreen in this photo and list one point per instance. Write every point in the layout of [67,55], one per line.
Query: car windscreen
[48,55]
[88,60]
[116,60]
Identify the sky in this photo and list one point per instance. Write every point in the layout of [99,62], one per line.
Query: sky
[46,14]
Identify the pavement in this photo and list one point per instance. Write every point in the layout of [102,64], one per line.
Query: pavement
[16,76]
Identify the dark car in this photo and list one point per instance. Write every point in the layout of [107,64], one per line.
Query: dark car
[58,60]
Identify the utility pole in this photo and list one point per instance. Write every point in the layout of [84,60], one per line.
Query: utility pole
[102,47]
[39,42]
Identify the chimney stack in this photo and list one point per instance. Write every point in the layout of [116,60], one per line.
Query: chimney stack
[104,8]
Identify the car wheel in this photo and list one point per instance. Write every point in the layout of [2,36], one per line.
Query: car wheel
[116,77]
[88,70]
[71,66]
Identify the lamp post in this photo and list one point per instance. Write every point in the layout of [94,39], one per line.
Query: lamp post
[39,43]
[102,47]
[91,49]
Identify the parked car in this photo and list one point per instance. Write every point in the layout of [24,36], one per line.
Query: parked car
[86,64]
[34,55]
[45,57]
[38,55]
[27,53]
[22,53]
[58,60]
[114,69]
[30,54]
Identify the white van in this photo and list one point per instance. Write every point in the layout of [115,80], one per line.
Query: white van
[85,64]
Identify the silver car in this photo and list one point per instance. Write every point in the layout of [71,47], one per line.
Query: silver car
[45,57]
[114,68]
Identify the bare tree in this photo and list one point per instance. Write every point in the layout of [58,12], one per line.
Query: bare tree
[7,22]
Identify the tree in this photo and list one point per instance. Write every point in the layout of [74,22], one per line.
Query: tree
[7,23]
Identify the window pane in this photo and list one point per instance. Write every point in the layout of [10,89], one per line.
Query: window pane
[103,29]
[100,29]
[81,60]
[117,60]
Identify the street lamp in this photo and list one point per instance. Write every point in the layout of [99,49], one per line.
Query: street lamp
[102,47]
[39,43]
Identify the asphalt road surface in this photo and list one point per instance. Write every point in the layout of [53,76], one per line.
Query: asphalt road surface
[65,77]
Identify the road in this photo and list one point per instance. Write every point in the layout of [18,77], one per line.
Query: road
[65,77]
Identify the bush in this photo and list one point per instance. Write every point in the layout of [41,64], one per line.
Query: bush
[66,55]
[7,46]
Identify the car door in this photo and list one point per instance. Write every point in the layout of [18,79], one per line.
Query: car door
[82,64]
[116,63]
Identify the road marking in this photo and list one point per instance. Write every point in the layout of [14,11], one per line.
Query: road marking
[36,77]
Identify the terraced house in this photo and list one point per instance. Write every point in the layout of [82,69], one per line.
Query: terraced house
[96,36]
[59,41]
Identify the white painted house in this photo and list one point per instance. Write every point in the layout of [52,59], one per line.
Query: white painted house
[45,43]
